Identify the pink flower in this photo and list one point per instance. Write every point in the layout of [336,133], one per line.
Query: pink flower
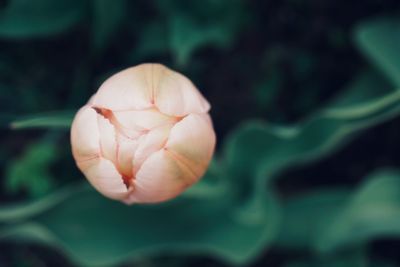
[145,136]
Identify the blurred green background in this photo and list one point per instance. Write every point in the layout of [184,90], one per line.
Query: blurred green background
[306,107]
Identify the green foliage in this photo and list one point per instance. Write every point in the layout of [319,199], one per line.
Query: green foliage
[61,119]
[209,23]
[373,211]
[379,39]
[107,18]
[341,218]
[27,19]
[30,173]
[241,206]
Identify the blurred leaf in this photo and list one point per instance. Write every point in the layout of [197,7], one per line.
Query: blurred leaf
[379,39]
[242,207]
[55,119]
[188,224]
[30,173]
[153,41]
[187,35]
[266,91]
[342,219]
[297,230]
[107,17]
[26,19]
[366,86]
[373,212]
[193,25]
[260,150]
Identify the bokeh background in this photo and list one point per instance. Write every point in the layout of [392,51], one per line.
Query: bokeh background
[306,109]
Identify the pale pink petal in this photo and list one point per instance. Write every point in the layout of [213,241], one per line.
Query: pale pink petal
[150,143]
[176,95]
[192,141]
[142,119]
[126,150]
[160,178]
[85,134]
[107,139]
[103,175]
[91,99]
[128,89]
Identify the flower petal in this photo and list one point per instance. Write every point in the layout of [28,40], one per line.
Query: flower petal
[103,176]
[160,178]
[150,143]
[126,150]
[175,95]
[107,139]
[142,119]
[192,142]
[85,134]
[129,89]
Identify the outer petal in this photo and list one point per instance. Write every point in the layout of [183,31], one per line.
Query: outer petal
[176,95]
[192,142]
[107,139]
[85,135]
[127,90]
[159,179]
[103,175]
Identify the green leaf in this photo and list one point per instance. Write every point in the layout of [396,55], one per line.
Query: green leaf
[107,18]
[31,173]
[187,35]
[373,212]
[261,150]
[71,219]
[27,19]
[342,219]
[379,39]
[55,119]
[256,152]
[152,41]
[194,25]
[298,232]
[240,207]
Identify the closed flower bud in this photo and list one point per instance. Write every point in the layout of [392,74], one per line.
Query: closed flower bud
[145,136]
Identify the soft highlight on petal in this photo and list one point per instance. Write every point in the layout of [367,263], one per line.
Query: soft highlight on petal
[176,95]
[129,89]
[85,134]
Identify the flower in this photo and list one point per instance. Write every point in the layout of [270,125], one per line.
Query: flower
[145,136]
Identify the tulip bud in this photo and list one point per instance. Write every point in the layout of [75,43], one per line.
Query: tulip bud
[145,136]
